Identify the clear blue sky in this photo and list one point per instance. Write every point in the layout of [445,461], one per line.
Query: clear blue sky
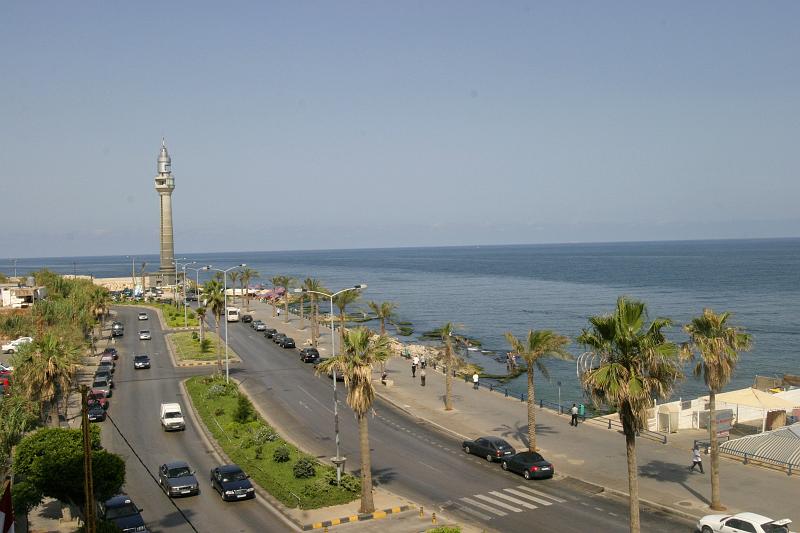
[301,125]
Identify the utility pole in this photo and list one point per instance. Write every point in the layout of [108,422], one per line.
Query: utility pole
[88,480]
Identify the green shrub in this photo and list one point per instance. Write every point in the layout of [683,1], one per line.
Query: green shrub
[259,452]
[264,434]
[445,529]
[244,410]
[281,454]
[305,467]
[219,411]
[219,389]
[349,483]
[205,346]
[316,489]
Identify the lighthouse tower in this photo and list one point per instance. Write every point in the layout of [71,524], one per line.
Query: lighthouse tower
[165,184]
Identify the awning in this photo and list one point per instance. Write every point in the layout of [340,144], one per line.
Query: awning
[756,398]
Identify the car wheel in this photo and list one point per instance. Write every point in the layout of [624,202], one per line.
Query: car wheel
[526,474]
[504,465]
[466,449]
[707,529]
[490,457]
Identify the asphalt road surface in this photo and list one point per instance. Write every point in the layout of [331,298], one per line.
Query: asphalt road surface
[140,440]
[417,461]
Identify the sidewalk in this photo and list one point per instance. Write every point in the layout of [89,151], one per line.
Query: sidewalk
[591,452]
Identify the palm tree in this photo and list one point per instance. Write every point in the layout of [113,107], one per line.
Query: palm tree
[341,301]
[315,285]
[450,360]
[234,275]
[45,369]
[201,315]
[630,363]
[717,346]
[247,275]
[215,300]
[361,351]
[538,345]
[282,282]
[384,312]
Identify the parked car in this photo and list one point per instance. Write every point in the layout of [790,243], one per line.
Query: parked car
[247,319]
[259,326]
[270,332]
[144,335]
[6,369]
[121,511]
[106,365]
[108,359]
[491,448]
[742,522]
[112,352]
[15,345]
[232,483]
[117,329]
[286,342]
[530,464]
[102,383]
[141,361]
[104,374]
[97,397]
[142,316]
[278,337]
[177,479]
[96,413]
[309,355]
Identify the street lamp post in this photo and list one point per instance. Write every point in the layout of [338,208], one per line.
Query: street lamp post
[196,290]
[338,460]
[184,265]
[225,297]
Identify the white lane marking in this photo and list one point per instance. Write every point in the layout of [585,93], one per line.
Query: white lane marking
[513,500]
[542,494]
[528,496]
[431,467]
[475,513]
[484,506]
[499,504]
[315,400]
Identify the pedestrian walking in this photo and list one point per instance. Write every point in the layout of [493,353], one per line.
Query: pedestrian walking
[278,311]
[422,377]
[414,364]
[383,377]
[422,362]
[574,411]
[697,459]
[475,378]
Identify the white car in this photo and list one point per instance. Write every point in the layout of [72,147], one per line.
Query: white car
[144,335]
[142,316]
[742,522]
[6,368]
[13,346]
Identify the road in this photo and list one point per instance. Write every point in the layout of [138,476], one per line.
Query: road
[140,440]
[417,461]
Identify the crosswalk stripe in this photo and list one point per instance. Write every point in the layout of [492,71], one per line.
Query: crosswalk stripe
[499,504]
[528,496]
[473,512]
[542,494]
[514,500]
[484,506]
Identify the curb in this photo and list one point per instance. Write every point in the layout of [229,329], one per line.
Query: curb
[377,515]
[203,363]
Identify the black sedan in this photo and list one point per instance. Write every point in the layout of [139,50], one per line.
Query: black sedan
[246,319]
[530,464]
[286,342]
[112,352]
[232,483]
[270,332]
[278,337]
[141,361]
[492,448]
[309,355]
[177,479]
[96,413]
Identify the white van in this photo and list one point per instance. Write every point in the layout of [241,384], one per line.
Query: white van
[172,417]
[233,314]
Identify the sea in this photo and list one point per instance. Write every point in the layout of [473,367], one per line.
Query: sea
[489,290]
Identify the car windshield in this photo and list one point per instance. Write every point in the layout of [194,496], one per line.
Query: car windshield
[99,383]
[172,415]
[126,509]
[180,471]
[144,332]
[141,358]
[233,476]
[769,527]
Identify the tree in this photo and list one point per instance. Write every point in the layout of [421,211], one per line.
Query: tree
[18,415]
[715,346]
[50,461]
[201,315]
[450,360]
[282,282]
[234,275]
[384,312]
[341,301]
[246,276]
[361,351]
[631,363]
[537,346]
[45,369]
[315,285]
[215,300]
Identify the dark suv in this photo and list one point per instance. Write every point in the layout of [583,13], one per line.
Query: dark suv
[117,329]
[246,319]
[123,513]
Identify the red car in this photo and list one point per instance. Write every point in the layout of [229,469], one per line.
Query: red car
[97,396]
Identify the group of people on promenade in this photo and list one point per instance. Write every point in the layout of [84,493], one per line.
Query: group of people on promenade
[420,362]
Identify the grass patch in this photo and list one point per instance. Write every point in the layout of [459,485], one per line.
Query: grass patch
[256,447]
[172,316]
[186,346]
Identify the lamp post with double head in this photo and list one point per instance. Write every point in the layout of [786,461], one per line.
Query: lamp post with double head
[225,297]
[184,265]
[338,460]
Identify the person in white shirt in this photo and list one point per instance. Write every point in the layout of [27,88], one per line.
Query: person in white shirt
[574,411]
[475,378]
[414,363]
